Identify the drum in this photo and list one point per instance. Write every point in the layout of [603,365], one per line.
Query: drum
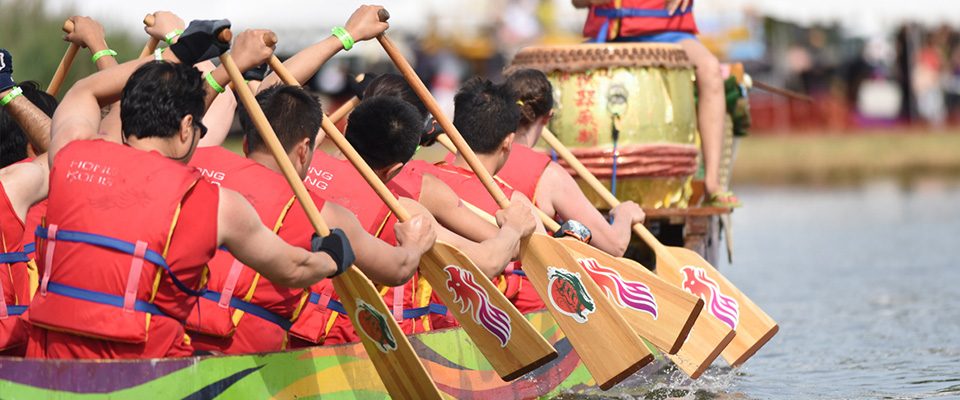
[627,111]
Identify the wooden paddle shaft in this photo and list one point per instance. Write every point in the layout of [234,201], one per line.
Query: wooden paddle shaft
[65,63]
[601,190]
[407,71]
[152,44]
[270,139]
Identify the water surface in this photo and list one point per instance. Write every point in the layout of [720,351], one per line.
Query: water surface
[864,282]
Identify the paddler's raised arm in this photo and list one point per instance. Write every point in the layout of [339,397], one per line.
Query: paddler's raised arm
[78,116]
[362,25]
[239,229]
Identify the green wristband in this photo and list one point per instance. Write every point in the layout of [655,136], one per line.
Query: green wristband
[101,53]
[213,82]
[171,35]
[344,37]
[158,54]
[10,96]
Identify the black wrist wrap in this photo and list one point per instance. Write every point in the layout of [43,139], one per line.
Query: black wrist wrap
[337,246]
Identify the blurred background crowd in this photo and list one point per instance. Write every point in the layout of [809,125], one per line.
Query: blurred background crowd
[868,64]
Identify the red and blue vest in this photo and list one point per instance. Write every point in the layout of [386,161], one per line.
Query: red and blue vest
[638,18]
[104,250]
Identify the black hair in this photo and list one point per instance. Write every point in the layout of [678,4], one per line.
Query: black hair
[13,141]
[534,92]
[293,112]
[485,114]
[385,130]
[396,86]
[157,97]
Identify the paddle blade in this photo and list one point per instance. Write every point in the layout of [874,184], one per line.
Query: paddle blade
[722,300]
[609,348]
[657,311]
[707,339]
[398,365]
[507,340]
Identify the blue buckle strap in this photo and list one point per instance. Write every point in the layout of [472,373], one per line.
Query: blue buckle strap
[102,298]
[16,310]
[119,245]
[252,309]
[17,256]
[407,314]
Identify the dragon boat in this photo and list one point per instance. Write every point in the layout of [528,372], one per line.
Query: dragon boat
[328,372]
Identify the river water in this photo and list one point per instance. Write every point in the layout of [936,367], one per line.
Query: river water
[864,282]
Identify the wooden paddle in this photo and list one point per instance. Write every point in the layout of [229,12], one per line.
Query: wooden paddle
[344,109]
[398,365]
[152,44]
[509,342]
[687,269]
[65,63]
[574,300]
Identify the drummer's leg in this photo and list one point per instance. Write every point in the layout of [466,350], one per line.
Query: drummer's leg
[710,112]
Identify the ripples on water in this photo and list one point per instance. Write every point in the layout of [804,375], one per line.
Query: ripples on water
[864,283]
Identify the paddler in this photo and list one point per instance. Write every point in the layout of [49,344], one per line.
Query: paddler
[21,185]
[671,21]
[549,185]
[129,227]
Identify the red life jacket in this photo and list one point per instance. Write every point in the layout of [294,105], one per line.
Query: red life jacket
[465,183]
[234,290]
[112,211]
[13,331]
[638,18]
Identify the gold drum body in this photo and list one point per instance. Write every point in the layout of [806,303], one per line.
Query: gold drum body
[643,90]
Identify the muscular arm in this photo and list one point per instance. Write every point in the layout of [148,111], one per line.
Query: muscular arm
[240,230]
[382,263]
[446,207]
[558,193]
[33,121]
[362,25]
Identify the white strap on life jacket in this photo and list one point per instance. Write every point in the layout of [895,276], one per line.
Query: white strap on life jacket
[133,280]
[48,263]
[231,283]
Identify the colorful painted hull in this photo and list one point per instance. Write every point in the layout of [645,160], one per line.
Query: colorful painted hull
[333,372]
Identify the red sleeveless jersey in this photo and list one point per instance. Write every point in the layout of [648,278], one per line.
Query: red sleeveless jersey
[225,328]
[523,170]
[152,203]
[654,20]
[14,289]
